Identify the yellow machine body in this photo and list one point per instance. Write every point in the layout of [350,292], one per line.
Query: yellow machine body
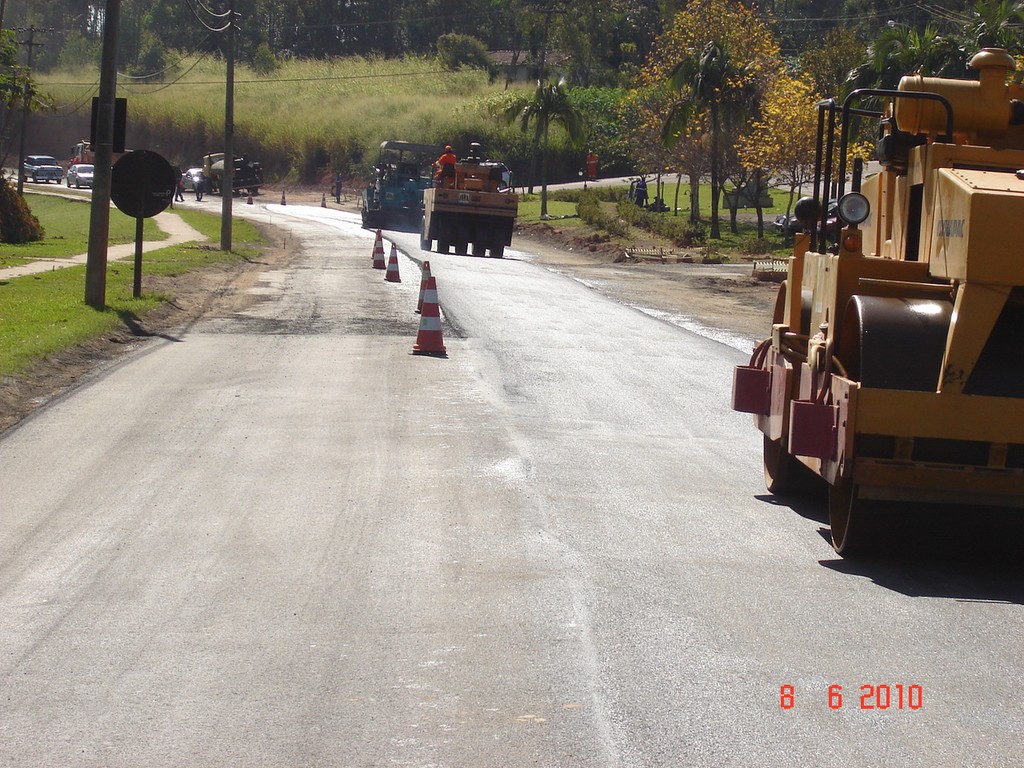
[895,368]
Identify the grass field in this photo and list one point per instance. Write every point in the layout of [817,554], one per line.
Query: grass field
[45,313]
[306,115]
[66,225]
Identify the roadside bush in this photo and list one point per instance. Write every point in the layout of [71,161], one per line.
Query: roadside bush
[752,245]
[593,213]
[17,224]
[264,62]
[456,51]
[680,230]
[605,194]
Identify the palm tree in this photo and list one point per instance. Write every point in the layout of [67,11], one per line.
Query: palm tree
[549,104]
[996,24]
[712,79]
[901,50]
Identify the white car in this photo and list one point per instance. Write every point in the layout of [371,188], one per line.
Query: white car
[80,175]
[191,176]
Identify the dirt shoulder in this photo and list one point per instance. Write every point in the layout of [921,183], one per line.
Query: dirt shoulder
[718,296]
[721,296]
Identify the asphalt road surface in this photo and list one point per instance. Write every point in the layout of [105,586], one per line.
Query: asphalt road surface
[278,538]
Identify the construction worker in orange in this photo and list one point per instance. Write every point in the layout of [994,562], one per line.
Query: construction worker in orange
[445,165]
[591,166]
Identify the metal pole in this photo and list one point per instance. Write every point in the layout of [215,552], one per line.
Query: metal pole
[25,109]
[99,220]
[137,279]
[227,190]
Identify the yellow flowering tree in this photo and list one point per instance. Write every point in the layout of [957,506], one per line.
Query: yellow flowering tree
[782,139]
[718,56]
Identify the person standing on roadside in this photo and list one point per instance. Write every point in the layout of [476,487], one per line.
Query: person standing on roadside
[179,189]
[641,192]
[337,188]
[200,187]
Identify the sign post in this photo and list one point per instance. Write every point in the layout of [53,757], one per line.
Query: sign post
[142,185]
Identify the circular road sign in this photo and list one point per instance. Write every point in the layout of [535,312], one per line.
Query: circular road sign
[142,183]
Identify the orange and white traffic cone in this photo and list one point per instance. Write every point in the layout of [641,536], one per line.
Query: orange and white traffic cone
[429,340]
[378,252]
[423,286]
[392,275]
[378,245]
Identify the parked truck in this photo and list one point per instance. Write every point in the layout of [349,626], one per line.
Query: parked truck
[247,177]
[894,370]
[41,168]
[472,207]
[394,198]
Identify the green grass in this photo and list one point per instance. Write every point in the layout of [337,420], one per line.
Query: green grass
[529,210]
[66,225]
[307,115]
[46,313]
[743,243]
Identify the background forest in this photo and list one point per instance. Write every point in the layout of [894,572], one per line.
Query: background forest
[698,89]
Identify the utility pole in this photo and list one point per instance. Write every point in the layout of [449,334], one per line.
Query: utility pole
[227,189]
[32,45]
[103,149]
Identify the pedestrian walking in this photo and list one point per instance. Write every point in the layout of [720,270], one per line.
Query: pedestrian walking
[200,187]
[179,188]
[337,188]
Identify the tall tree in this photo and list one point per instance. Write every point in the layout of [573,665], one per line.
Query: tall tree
[901,50]
[996,24]
[549,105]
[708,82]
[718,55]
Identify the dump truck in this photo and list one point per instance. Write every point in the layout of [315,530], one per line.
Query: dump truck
[395,196]
[246,179]
[471,207]
[894,370]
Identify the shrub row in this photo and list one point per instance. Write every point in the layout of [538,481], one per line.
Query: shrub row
[679,229]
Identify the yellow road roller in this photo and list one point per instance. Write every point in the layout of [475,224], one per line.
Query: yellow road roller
[895,366]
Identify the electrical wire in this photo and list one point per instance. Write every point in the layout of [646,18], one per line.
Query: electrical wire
[164,86]
[202,21]
[169,67]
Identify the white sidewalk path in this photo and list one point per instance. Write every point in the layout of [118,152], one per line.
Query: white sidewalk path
[177,232]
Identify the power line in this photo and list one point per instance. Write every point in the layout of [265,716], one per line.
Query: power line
[262,80]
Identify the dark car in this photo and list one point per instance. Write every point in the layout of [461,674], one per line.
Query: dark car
[786,224]
[191,176]
[80,175]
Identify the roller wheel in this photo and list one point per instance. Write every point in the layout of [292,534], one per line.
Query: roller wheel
[783,472]
[854,521]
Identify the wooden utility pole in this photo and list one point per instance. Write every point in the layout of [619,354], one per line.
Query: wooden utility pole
[103,149]
[227,188]
[26,102]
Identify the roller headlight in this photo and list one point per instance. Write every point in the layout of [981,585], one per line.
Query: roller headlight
[854,208]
